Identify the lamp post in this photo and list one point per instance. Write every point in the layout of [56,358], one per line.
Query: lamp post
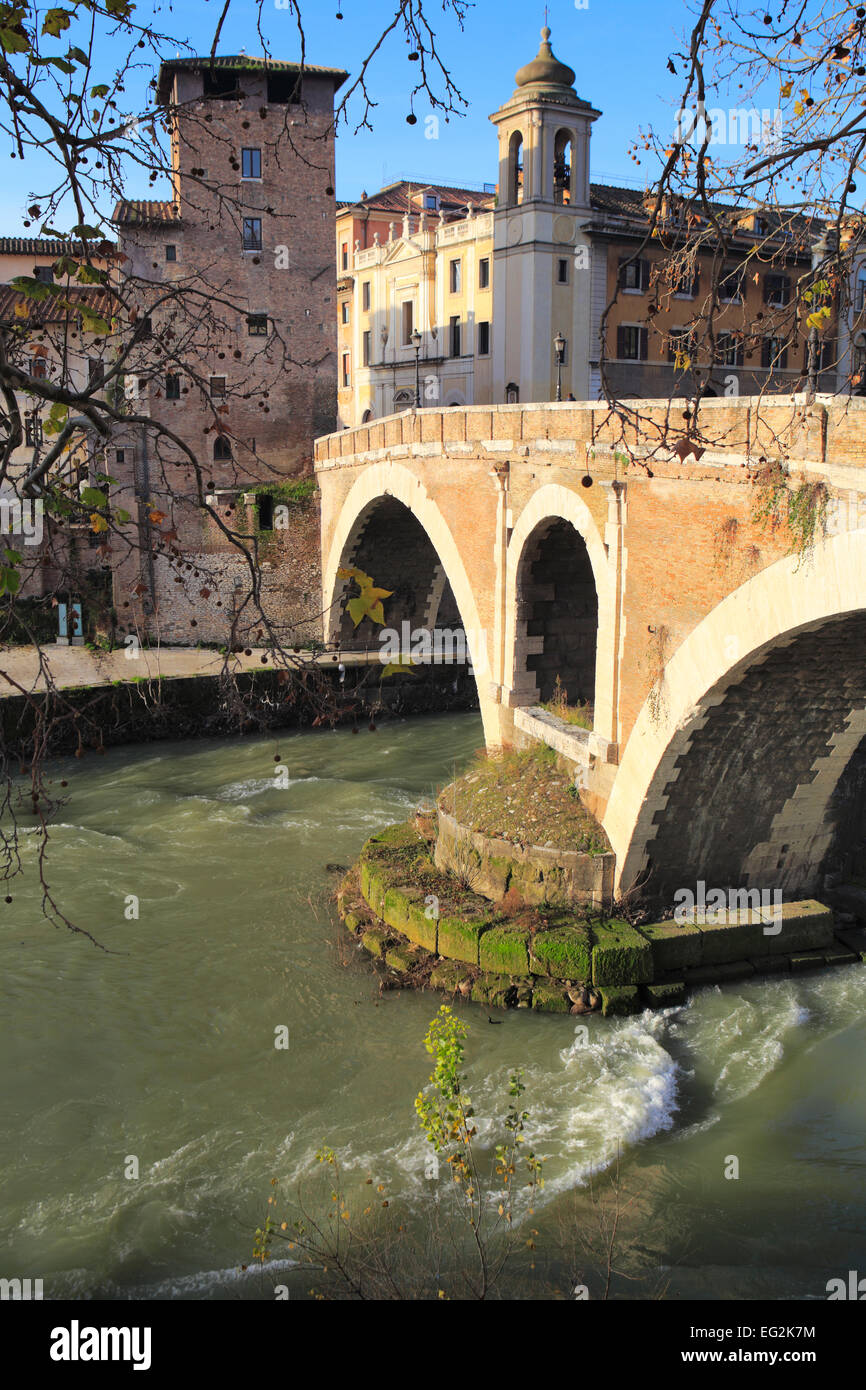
[559,349]
[416,343]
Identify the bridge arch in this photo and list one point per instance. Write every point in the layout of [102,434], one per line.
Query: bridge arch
[737,768]
[546,513]
[388,490]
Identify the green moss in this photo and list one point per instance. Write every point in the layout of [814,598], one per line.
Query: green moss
[403,908]
[549,998]
[448,975]
[375,941]
[565,952]
[504,949]
[807,960]
[620,999]
[665,996]
[459,937]
[496,991]
[620,955]
[401,958]
[673,945]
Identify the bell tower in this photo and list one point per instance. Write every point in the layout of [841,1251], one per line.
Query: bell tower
[541,272]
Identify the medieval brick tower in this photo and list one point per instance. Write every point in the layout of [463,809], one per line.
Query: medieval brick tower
[236,278]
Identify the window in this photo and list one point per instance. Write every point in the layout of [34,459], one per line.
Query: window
[344,255]
[562,272]
[347,370]
[483,339]
[44,274]
[777,290]
[774,353]
[222,449]
[257,325]
[631,342]
[455,276]
[283,88]
[408,312]
[731,284]
[345,311]
[454,335]
[120,456]
[680,347]
[217,387]
[39,368]
[860,294]
[365,295]
[144,329]
[729,350]
[633,275]
[172,388]
[95,373]
[171,253]
[32,430]
[684,282]
[252,234]
[366,344]
[265,505]
[251,164]
[484,273]
[431,202]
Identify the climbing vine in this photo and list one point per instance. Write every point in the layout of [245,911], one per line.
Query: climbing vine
[803,509]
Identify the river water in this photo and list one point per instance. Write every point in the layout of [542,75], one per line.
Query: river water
[160,1053]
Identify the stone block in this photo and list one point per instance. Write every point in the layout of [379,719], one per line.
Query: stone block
[620,955]
[563,952]
[504,950]
[674,945]
[618,1000]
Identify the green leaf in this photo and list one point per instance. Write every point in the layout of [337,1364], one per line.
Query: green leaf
[121,516]
[55,22]
[63,64]
[13,557]
[13,42]
[10,580]
[92,321]
[93,497]
[87,233]
[100,90]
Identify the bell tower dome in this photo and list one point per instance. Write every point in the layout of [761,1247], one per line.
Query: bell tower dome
[541,253]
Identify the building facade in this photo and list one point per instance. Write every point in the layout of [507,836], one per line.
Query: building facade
[511,290]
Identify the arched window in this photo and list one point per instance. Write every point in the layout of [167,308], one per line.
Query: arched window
[512,393]
[562,166]
[515,168]
[366,417]
[222,449]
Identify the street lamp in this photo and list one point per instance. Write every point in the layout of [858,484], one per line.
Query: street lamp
[559,349]
[415,339]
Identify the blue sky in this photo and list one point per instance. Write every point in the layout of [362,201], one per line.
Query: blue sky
[618,49]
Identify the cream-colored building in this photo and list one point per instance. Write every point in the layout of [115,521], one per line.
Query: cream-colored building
[424,272]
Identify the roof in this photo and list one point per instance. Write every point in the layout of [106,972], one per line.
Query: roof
[145,212]
[634,203]
[394,197]
[54,308]
[41,246]
[239,63]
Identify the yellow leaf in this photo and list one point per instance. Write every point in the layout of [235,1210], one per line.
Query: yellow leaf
[398,668]
[798,108]
[98,523]
[786,89]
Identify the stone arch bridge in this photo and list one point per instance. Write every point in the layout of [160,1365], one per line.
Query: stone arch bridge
[725,667]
